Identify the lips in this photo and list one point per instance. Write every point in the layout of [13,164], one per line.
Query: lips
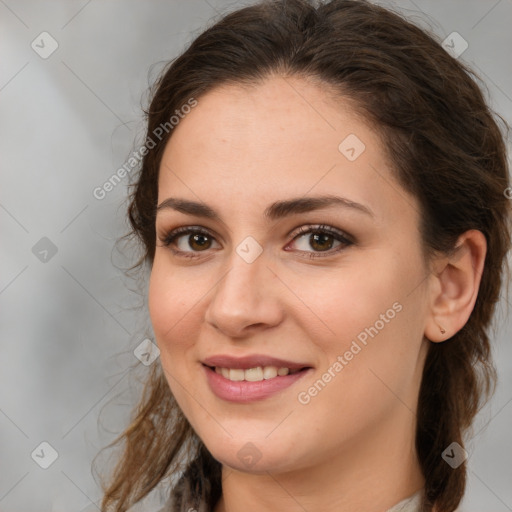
[250,378]
[254,361]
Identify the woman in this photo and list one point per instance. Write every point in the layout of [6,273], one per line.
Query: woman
[322,205]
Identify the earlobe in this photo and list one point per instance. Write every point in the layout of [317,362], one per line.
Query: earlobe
[435,332]
[455,285]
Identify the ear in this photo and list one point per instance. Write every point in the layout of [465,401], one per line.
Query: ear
[454,285]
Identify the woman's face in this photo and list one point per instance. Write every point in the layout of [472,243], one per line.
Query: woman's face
[266,287]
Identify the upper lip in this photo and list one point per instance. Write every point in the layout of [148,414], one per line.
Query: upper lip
[253,361]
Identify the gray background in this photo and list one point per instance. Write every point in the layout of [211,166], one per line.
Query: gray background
[69,320]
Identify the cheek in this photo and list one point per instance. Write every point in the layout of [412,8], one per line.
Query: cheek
[348,302]
[171,304]
[374,322]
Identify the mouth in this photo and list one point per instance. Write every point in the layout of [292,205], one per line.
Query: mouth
[256,374]
[251,378]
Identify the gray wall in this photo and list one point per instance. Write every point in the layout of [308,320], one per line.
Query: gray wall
[68,327]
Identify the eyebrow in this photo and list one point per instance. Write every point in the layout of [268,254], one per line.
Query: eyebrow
[275,211]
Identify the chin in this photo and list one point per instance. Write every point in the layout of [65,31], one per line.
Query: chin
[255,457]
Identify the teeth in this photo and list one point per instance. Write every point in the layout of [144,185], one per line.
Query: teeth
[269,372]
[236,374]
[253,374]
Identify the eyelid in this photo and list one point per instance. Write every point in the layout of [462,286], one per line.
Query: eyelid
[169,236]
[341,236]
[323,228]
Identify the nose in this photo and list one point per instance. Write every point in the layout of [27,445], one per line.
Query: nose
[247,298]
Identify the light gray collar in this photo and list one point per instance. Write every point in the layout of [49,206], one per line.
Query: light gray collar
[410,504]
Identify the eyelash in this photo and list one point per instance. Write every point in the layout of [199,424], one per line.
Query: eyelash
[170,237]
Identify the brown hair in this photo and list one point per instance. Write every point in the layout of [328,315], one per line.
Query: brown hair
[447,149]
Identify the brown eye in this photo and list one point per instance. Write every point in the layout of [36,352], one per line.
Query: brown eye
[321,242]
[321,239]
[187,242]
[198,241]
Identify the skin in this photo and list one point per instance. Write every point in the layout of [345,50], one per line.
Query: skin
[351,448]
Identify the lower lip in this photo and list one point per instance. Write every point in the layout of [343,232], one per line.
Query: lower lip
[245,391]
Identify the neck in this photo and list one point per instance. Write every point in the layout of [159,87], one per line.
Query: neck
[374,473]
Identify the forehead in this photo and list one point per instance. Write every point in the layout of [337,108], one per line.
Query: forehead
[280,113]
[283,137]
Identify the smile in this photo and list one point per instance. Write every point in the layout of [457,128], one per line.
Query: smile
[251,384]
[256,374]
